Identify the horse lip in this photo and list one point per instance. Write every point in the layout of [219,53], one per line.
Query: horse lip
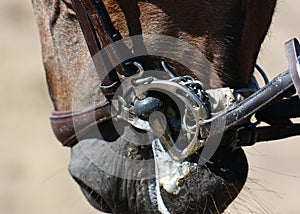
[169,171]
[107,190]
[94,197]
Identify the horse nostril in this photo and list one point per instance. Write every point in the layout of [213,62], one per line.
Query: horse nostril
[145,107]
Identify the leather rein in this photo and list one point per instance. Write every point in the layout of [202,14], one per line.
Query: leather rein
[273,104]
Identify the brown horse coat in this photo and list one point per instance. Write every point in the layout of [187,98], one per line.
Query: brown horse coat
[228,33]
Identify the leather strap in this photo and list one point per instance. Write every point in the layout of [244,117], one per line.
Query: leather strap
[69,126]
[287,108]
[249,135]
[95,22]
[277,115]
[106,31]
[96,25]
[240,113]
[110,80]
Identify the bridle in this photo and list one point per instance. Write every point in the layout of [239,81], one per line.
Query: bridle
[273,104]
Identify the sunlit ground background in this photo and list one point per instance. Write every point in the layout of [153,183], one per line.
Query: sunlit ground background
[33,165]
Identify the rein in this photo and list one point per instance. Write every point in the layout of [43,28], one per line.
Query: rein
[273,104]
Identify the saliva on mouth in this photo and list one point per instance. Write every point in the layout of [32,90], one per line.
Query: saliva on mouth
[168,140]
[171,110]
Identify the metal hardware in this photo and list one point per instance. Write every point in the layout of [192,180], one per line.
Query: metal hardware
[292,50]
[136,105]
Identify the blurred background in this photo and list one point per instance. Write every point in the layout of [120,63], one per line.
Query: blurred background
[33,165]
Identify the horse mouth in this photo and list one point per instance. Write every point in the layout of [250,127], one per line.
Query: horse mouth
[115,185]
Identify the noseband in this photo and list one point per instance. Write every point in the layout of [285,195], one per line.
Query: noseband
[273,104]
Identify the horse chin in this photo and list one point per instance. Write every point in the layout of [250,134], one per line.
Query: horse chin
[111,185]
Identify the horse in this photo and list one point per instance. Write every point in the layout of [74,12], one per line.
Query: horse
[228,34]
